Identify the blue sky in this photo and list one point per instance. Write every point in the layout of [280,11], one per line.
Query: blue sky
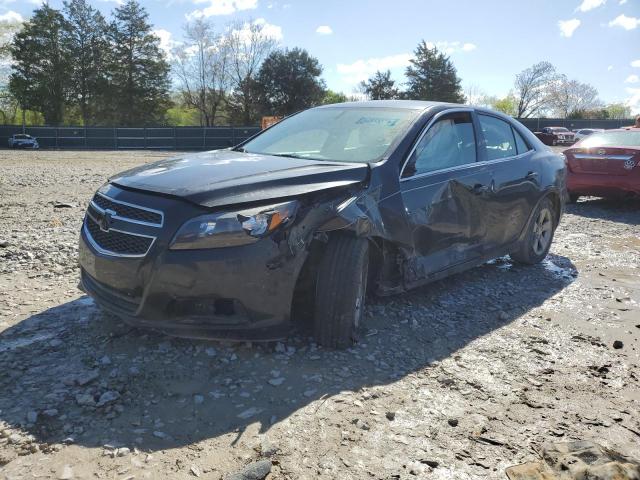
[489,41]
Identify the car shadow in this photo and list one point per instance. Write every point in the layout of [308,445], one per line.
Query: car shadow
[625,210]
[75,374]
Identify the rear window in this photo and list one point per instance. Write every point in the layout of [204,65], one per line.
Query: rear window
[618,138]
[521,143]
[499,139]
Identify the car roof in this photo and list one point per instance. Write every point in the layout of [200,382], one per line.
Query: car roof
[627,129]
[404,104]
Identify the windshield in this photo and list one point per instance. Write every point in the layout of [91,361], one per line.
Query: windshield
[617,138]
[341,134]
[559,129]
[21,136]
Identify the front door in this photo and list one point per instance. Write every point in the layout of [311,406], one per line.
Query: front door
[444,189]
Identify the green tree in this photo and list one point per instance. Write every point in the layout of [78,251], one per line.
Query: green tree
[380,86]
[507,105]
[139,73]
[248,44]
[617,111]
[86,31]
[40,67]
[334,97]
[432,76]
[289,81]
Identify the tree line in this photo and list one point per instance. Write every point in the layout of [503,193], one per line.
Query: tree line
[74,66]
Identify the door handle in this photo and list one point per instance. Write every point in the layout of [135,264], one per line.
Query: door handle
[479,189]
[531,175]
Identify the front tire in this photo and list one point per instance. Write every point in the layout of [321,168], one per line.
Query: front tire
[573,197]
[537,241]
[340,291]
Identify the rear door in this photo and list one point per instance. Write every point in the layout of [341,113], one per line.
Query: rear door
[444,190]
[515,180]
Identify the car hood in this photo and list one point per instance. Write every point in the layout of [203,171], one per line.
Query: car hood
[226,177]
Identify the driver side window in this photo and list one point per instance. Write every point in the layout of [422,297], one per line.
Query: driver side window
[450,142]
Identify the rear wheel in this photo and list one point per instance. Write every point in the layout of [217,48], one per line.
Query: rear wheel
[536,243]
[340,291]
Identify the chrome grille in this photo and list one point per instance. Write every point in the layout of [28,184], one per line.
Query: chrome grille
[117,228]
[115,242]
[127,211]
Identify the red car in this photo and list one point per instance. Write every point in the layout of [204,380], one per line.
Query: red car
[556,136]
[605,164]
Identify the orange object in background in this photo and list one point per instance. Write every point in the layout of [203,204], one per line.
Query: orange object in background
[268,121]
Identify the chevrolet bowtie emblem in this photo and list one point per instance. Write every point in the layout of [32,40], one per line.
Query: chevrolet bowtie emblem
[105,221]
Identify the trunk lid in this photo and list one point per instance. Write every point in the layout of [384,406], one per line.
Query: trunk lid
[603,160]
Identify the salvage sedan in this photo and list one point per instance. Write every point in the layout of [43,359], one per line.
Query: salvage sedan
[605,164]
[296,225]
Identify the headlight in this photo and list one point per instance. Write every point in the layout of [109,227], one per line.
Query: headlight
[233,228]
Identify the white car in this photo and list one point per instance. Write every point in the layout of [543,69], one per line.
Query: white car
[585,132]
[22,140]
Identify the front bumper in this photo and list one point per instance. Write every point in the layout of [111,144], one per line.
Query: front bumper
[233,293]
[604,185]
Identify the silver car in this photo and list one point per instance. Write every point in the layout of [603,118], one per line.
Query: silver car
[22,140]
[585,132]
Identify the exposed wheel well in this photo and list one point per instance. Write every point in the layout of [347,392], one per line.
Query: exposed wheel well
[302,303]
[557,205]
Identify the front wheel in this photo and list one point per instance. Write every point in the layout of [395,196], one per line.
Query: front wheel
[573,197]
[537,241]
[340,291]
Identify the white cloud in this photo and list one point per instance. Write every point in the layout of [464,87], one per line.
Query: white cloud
[11,17]
[268,30]
[633,101]
[622,2]
[221,7]
[622,21]
[567,27]
[362,69]
[468,47]
[324,30]
[632,79]
[635,63]
[167,43]
[609,68]
[587,5]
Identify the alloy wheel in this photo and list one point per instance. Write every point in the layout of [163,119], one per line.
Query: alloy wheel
[542,230]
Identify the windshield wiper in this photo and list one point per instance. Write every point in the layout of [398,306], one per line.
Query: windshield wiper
[290,155]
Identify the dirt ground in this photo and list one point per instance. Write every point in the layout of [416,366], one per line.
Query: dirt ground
[457,380]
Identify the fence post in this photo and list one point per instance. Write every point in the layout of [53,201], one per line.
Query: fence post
[145,138]
[115,137]
[85,137]
[204,138]
[56,129]
[175,139]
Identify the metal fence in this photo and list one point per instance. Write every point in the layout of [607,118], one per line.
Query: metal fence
[204,138]
[535,124]
[161,138]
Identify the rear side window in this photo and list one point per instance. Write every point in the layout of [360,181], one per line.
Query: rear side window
[521,143]
[499,139]
[450,142]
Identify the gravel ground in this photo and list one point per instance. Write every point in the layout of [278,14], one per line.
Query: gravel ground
[460,379]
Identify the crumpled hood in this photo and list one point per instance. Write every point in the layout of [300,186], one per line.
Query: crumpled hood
[225,177]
